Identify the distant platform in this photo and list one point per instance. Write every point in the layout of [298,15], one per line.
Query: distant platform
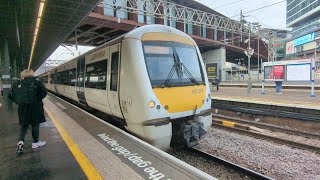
[298,98]
[270,85]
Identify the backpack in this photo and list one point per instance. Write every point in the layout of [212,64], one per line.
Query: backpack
[24,93]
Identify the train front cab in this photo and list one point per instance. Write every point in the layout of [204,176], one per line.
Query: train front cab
[172,87]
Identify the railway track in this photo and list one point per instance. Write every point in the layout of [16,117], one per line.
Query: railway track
[245,129]
[268,126]
[228,170]
[268,110]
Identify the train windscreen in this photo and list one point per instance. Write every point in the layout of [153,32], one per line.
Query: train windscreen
[172,64]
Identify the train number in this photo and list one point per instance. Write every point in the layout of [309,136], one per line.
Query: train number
[197,91]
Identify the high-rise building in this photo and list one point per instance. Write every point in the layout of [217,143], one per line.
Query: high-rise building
[303,16]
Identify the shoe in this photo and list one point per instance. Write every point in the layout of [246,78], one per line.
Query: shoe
[277,93]
[20,147]
[280,93]
[38,144]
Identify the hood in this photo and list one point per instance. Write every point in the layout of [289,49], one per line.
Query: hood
[28,80]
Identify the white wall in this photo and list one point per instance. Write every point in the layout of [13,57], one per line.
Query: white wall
[216,56]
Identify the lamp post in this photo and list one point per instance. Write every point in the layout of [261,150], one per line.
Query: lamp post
[239,63]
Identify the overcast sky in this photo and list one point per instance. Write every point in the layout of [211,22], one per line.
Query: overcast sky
[270,17]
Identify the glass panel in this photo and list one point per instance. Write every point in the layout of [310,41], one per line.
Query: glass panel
[96,75]
[172,64]
[114,71]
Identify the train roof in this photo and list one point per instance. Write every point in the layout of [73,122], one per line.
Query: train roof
[135,34]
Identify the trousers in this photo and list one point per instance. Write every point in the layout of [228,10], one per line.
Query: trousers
[278,86]
[34,132]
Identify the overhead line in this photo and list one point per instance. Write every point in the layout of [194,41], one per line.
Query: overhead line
[227,4]
[260,8]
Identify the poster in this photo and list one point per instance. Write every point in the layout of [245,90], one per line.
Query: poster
[299,72]
[276,72]
[290,47]
[211,70]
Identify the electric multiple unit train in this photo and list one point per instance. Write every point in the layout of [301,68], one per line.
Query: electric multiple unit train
[151,79]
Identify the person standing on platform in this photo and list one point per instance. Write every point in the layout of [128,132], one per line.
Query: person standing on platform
[278,87]
[216,82]
[28,94]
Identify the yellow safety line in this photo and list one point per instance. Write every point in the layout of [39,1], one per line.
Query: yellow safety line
[85,164]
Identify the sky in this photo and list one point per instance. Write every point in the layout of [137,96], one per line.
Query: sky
[269,17]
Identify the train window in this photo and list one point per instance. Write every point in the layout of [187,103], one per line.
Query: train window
[52,79]
[80,68]
[96,75]
[64,77]
[172,64]
[114,71]
[72,77]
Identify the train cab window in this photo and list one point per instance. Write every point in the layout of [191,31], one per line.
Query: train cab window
[114,71]
[96,75]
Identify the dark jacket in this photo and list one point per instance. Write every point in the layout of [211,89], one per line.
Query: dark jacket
[215,81]
[32,113]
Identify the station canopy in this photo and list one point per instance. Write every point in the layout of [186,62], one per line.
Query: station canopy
[18,23]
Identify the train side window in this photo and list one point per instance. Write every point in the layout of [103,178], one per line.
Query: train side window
[96,75]
[114,71]
[52,79]
[72,77]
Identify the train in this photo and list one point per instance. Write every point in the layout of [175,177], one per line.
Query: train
[152,80]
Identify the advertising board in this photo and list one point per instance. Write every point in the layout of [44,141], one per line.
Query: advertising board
[298,72]
[272,73]
[304,39]
[294,70]
[290,47]
[211,70]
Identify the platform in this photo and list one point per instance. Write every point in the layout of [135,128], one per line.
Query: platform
[82,146]
[271,85]
[298,98]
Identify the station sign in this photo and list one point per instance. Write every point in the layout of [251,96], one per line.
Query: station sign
[304,39]
[212,70]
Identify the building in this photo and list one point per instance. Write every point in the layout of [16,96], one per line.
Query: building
[303,16]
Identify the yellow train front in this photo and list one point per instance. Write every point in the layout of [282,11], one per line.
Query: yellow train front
[152,80]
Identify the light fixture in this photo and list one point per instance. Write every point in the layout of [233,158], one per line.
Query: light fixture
[36,30]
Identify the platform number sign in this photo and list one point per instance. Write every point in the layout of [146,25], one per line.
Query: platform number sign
[211,70]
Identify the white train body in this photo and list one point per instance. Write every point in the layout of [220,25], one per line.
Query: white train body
[151,79]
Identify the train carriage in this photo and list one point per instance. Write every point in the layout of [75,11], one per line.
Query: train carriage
[151,79]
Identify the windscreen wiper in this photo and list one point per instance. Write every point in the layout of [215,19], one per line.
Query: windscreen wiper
[182,67]
[170,75]
[192,79]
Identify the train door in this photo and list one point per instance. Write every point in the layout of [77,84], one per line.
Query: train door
[113,93]
[80,80]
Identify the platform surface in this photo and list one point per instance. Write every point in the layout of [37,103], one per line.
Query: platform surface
[299,98]
[53,161]
[106,151]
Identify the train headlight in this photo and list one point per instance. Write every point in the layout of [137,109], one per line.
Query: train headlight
[152,104]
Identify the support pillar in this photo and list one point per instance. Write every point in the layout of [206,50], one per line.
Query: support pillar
[5,69]
[215,34]
[217,56]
